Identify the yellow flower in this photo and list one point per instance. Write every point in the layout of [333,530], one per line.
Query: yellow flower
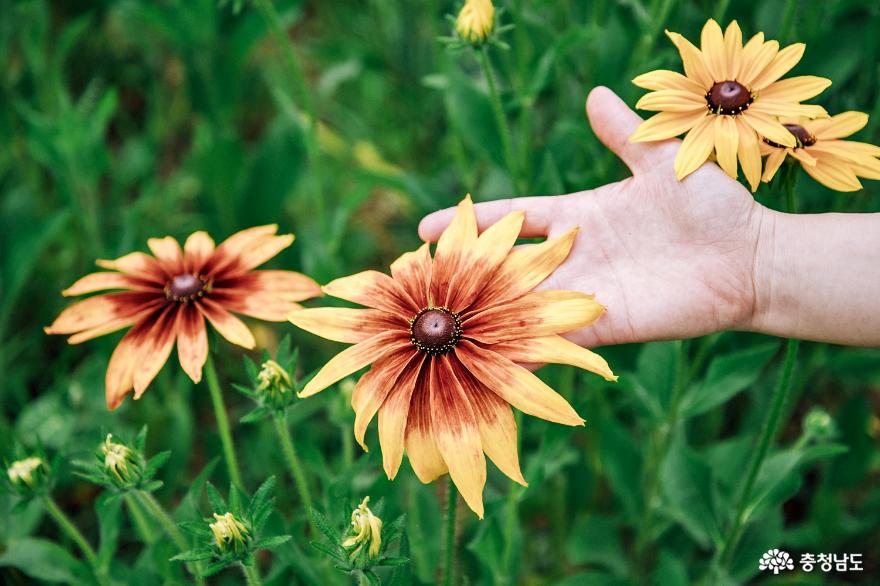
[835,163]
[23,472]
[117,459]
[229,531]
[445,337]
[728,99]
[475,20]
[366,528]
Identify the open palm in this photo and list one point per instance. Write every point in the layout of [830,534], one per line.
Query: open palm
[669,259]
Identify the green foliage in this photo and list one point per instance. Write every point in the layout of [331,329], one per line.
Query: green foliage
[128,120]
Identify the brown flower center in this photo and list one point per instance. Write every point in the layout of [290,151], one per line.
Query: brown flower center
[185,288]
[728,98]
[802,137]
[435,330]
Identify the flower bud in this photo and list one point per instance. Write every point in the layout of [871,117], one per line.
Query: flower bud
[27,473]
[274,383]
[475,21]
[229,533]
[119,460]
[819,424]
[366,529]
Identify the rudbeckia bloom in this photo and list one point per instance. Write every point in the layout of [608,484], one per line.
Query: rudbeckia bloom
[727,100]
[444,337]
[475,20]
[168,296]
[835,163]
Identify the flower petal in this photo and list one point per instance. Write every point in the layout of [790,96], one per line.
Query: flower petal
[795,89]
[756,56]
[836,175]
[768,127]
[246,250]
[374,289]
[515,384]
[553,350]
[783,108]
[666,125]
[695,148]
[664,79]
[424,457]
[772,163]
[103,281]
[197,249]
[451,253]
[672,101]
[782,63]
[192,341]
[525,267]
[456,433]
[749,152]
[726,143]
[495,421]
[839,126]
[119,379]
[156,350]
[694,65]
[342,324]
[167,251]
[137,264]
[539,313]
[712,46]
[100,310]
[355,358]
[413,271]
[374,386]
[393,416]
[733,49]
[226,324]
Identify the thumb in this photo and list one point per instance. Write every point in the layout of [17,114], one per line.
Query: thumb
[541,212]
[614,122]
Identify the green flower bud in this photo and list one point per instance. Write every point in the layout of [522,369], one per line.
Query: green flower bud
[230,533]
[366,529]
[274,384]
[28,473]
[819,424]
[119,461]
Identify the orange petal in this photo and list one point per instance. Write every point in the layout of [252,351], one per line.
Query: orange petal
[516,385]
[103,281]
[246,249]
[525,268]
[355,358]
[393,415]
[226,324]
[265,306]
[291,285]
[413,271]
[495,421]
[456,433]
[375,386]
[197,249]
[119,379]
[100,310]
[192,341]
[137,264]
[451,253]
[424,457]
[374,289]
[342,324]
[114,324]
[695,148]
[539,313]
[157,349]
[554,350]
[167,251]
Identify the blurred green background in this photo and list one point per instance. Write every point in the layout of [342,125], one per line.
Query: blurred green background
[125,120]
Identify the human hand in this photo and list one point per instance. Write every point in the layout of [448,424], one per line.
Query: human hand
[669,259]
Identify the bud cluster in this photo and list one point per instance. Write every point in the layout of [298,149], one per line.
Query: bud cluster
[272,385]
[121,466]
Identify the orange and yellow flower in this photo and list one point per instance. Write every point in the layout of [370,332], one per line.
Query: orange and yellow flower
[835,163]
[444,337]
[727,101]
[168,296]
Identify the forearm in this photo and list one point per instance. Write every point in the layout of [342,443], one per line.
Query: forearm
[817,277]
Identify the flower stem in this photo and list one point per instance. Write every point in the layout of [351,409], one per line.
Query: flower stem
[295,466]
[71,530]
[500,118]
[449,534]
[222,422]
[149,502]
[771,424]
[251,574]
[140,522]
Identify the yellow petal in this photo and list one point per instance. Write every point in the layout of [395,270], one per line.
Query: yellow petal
[664,79]
[726,143]
[516,385]
[450,254]
[775,108]
[781,64]
[374,387]
[672,101]
[666,125]
[696,148]
[768,127]
[421,449]
[554,350]
[839,126]
[837,175]
[712,46]
[167,251]
[393,415]
[756,56]
[342,324]
[749,152]
[197,250]
[226,324]
[795,89]
[772,164]
[374,289]
[733,48]
[694,66]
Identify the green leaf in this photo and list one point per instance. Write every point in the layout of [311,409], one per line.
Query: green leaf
[622,463]
[270,542]
[254,415]
[44,560]
[372,578]
[194,555]
[470,112]
[155,463]
[108,510]
[596,540]
[393,561]
[688,489]
[218,504]
[727,376]
[334,552]
[325,527]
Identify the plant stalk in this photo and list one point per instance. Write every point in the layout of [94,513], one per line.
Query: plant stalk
[251,574]
[70,530]
[149,502]
[222,422]
[295,466]
[449,534]
[500,118]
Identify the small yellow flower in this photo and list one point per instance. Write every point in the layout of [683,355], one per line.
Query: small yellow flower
[117,459]
[366,529]
[833,162]
[274,379]
[229,531]
[23,472]
[476,20]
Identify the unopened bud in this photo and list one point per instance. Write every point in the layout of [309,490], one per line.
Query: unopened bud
[118,460]
[366,529]
[475,21]
[229,532]
[26,473]
[274,382]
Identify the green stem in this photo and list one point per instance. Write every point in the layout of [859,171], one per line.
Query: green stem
[500,118]
[141,522]
[71,530]
[251,574]
[449,535]
[296,470]
[512,516]
[771,425]
[222,422]
[149,502]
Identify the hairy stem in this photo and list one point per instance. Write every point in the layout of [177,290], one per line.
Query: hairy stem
[251,574]
[295,466]
[500,118]
[449,535]
[70,530]
[222,422]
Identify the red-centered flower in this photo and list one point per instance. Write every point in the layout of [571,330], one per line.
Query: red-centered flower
[444,337]
[168,296]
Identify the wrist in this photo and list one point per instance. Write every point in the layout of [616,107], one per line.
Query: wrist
[766,279]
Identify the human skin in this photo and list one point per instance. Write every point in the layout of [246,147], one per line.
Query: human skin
[674,260]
